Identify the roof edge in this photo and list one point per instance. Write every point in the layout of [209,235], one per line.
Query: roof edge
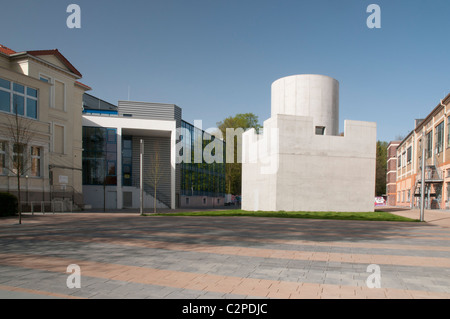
[446,100]
[58,54]
[86,87]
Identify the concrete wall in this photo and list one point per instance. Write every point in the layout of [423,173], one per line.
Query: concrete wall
[291,168]
[314,172]
[308,95]
[201,202]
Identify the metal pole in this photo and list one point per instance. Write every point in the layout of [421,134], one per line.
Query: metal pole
[141,177]
[26,176]
[422,185]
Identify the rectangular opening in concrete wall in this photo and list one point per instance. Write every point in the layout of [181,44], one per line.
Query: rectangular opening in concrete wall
[320,130]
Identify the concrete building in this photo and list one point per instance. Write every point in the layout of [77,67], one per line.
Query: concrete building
[301,162]
[433,135]
[111,157]
[42,87]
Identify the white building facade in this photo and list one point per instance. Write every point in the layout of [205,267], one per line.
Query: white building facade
[301,162]
[112,166]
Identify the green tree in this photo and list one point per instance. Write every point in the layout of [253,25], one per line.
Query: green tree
[233,171]
[381,168]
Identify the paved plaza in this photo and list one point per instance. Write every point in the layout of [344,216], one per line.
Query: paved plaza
[124,255]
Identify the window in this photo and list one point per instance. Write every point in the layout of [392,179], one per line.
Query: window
[3,158]
[18,160]
[45,79]
[429,144]
[409,196]
[17,98]
[187,200]
[111,135]
[35,161]
[100,157]
[5,95]
[32,103]
[58,139]
[440,137]
[5,84]
[448,131]
[320,130]
[127,163]
[399,161]
[5,101]
[18,104]
[409,154]
[18,88]
[404,159]
[199,179]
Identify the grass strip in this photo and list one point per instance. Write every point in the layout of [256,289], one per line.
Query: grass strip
[369,216]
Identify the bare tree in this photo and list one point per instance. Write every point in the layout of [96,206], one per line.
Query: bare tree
[20,132]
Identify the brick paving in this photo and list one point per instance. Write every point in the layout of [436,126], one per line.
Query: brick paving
[161,257]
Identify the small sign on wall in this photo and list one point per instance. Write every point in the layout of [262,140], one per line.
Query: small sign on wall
[63,179]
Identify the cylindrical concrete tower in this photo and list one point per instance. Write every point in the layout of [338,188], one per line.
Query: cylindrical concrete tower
[311,95]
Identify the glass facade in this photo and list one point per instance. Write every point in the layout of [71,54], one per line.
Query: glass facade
[199,178]
[99,156]
[127,160]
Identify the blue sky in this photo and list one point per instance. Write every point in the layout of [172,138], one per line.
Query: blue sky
[217,58]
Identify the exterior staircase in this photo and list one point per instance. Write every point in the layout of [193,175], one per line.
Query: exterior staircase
[433,177]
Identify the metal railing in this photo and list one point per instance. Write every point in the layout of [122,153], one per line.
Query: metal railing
[66,192]
[161,196]
[51,207]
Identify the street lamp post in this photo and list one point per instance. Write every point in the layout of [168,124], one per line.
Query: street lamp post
[141,177]
[422,185]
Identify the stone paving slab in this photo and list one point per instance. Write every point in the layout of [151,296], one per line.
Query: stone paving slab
[128,256]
